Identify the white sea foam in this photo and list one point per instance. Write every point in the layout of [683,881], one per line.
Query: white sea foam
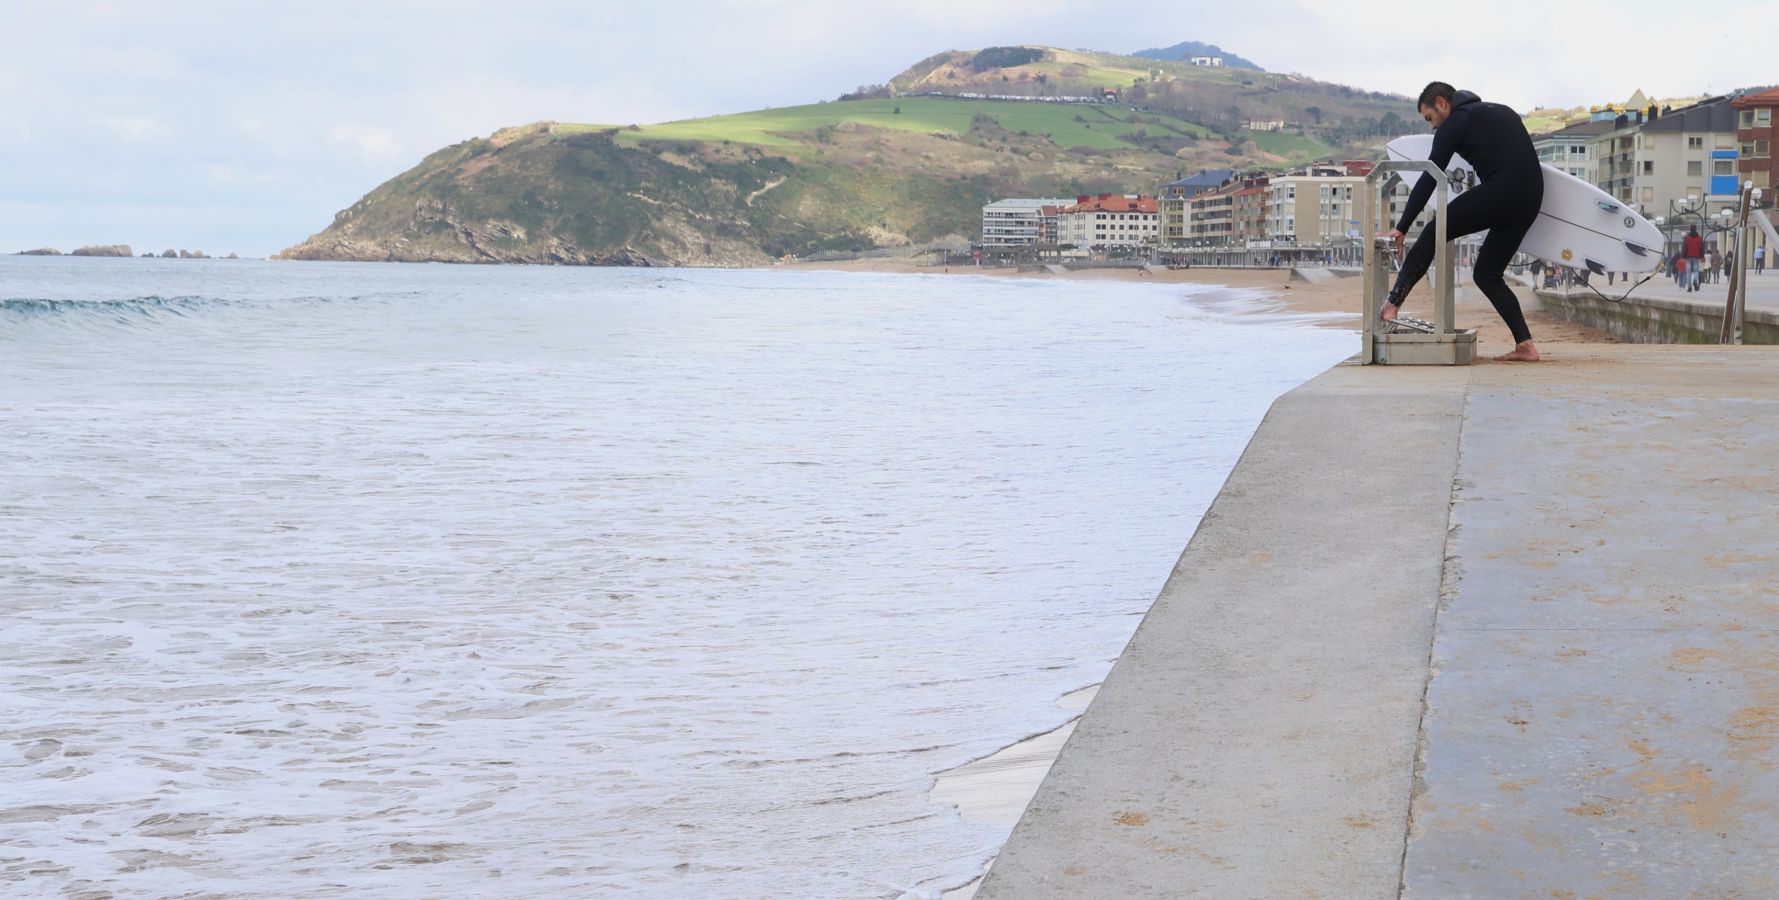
[348,580]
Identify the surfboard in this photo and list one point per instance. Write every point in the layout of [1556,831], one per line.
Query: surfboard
[1579,225]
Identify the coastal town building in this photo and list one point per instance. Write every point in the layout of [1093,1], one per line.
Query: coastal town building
[1173,199]
[1754,139]
[1615,156]
[1688,153]
[1110,221]
[1571,149]
[1207,61]
[1016,222]
[1319,207]
[1230,215]
[1050,224]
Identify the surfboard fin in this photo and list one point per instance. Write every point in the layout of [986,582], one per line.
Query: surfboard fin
[1609,207]
[1594,266]
[1636,248]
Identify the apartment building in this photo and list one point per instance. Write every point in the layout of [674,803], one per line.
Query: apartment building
[1688,152]
[1173,199]
[1110,221]
[1050,224]
[1615,157]
[1571,149]
[1017,222]
[1756,161]
[1314,207]
[1231,215]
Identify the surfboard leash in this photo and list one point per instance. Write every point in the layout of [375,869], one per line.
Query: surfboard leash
[1627,293]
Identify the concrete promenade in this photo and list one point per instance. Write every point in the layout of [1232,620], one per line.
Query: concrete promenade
[1501,631]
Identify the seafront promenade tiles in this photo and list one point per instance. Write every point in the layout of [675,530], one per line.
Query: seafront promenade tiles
[1498,632]
[1603,716]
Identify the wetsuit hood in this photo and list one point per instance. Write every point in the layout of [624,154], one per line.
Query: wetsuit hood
[1462,97]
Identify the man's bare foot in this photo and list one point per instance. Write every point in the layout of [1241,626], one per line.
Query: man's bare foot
[1389,312]
[1524,351]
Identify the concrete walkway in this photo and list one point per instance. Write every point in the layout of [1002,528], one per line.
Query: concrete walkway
[1763,290]
[1497,631]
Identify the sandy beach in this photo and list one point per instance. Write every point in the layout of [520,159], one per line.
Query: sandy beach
[1335,296]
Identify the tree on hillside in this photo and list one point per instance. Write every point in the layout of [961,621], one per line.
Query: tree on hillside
[1004,58]
[1315,114]
[868,92]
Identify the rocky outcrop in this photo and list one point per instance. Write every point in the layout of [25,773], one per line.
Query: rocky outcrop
[169,254]
[41,251]
[472,247]
[105,250]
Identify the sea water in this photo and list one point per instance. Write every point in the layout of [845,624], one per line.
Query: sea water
[419,581]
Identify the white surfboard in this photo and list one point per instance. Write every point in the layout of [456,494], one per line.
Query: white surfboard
[1579,225]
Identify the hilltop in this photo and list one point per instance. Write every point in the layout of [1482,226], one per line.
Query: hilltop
[1189,49]
[910,162]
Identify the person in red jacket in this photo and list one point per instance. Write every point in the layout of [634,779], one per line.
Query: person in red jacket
[1693,248]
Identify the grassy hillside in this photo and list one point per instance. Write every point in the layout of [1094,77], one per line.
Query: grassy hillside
[1225,99]
[1065,125]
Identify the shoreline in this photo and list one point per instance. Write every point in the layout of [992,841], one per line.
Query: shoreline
[997,787]
[1333,303]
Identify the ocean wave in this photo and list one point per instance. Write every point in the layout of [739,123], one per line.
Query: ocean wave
[155,305]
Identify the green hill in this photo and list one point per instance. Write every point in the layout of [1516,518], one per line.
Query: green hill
[847,175]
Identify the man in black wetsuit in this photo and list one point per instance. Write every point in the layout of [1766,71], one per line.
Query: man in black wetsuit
[1505,203]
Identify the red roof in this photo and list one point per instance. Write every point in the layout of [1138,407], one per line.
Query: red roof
[1114,203]
[1764,98]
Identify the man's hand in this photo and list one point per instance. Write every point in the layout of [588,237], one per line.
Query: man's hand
[1395,236]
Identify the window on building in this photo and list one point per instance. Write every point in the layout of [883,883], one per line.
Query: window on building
[1649,167]
[1648,196]
[1578,150]
[1723,167]
[1763,118]
[1695,142]
[1695,169]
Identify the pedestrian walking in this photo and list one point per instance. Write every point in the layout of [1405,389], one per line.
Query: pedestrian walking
[1760,259]
[1693,248]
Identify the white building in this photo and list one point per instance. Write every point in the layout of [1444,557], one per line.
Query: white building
[1111,221]
[1015,223]
[1208,61]
[1571,149]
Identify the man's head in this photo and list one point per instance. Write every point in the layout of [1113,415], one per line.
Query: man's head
[1435,102]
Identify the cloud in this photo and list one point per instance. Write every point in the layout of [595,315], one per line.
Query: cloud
[136,129]
[266,119]
[370,142]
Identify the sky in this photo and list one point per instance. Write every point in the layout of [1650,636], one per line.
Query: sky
[243,127]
